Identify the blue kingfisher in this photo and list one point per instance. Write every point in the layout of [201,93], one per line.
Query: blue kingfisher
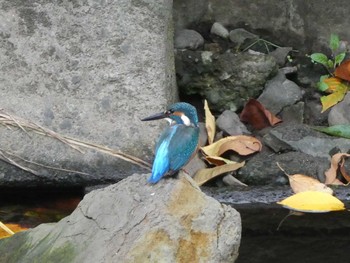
[178,142]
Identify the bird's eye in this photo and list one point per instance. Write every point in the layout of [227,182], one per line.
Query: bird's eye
[169,112]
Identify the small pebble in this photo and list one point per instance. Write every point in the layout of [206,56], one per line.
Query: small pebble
[219,30]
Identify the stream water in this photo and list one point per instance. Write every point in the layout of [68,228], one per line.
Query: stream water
[311,238]
[31,207]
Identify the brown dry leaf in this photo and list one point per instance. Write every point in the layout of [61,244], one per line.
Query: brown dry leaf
[242,144]
[343,171]
[209,123]
[217,160]
[204,175]
[301,183]
[257,115]
[331,173]
[343,70]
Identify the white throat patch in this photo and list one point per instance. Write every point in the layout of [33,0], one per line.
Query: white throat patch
[185,120]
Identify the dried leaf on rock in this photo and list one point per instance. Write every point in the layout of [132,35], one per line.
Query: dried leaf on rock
[204,175]
[257,115]
[217,160]
[336,162]
[209,123]
[312,202]
[332,99]
[332,83]
[343,70]
[301,183]
[242,144]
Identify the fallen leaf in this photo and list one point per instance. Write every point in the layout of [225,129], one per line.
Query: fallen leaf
[209,123]
[257,115]
[8,230]
[331,173]
[343,70]
[343,171]
[301,183]
[217,160]
[332,83]
[242,144]
[341,130]
[204,175]
[312,202]
[335,97]
[230,180]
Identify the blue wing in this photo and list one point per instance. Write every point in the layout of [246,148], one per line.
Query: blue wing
[173,150]
[183,144]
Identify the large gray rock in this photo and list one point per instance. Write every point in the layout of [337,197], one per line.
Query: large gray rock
[230,123]
[280,92]
[187,38]
[262,168]
[88,70]
[132,221]
[296,22]
[301,138]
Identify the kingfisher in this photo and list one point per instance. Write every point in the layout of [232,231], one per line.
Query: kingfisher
[179,141]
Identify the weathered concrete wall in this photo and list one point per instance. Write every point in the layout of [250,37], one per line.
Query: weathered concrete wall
[89,70]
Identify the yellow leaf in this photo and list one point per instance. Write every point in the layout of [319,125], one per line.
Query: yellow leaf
[204,175]
[332,99]
[312,202]
[209,123]
[242,144]
[332,83]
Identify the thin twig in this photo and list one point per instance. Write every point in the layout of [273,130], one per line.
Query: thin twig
[10,120]
[35,163]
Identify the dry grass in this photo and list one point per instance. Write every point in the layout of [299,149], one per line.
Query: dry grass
[26,126]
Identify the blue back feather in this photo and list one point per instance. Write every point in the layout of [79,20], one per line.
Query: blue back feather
[161,163]
[173,150]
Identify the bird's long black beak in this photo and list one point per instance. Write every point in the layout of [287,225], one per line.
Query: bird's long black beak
[156,116]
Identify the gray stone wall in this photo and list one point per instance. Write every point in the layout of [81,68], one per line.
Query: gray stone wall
[305,25]
[88,70]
